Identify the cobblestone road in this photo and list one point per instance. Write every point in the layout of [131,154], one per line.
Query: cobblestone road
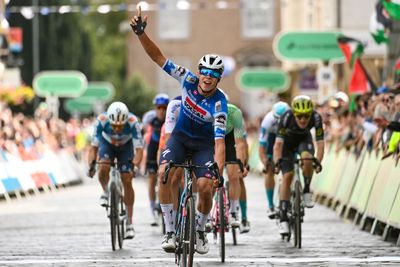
[69,228]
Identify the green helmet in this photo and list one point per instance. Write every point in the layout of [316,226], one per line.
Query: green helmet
[302,104]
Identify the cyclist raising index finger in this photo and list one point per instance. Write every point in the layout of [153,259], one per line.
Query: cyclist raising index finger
[200,129]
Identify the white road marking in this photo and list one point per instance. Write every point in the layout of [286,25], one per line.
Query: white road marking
[198,259]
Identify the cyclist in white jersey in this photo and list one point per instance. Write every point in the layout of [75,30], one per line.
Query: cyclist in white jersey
[171,118]
[200,129]
[268,132]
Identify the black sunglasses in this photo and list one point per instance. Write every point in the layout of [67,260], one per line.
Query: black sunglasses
[300,116]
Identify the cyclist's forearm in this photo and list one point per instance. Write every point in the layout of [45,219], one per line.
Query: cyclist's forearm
[220,154]
[262,154]
[241,150]
[320,150]
[152,50]
[92,154]
[138,156]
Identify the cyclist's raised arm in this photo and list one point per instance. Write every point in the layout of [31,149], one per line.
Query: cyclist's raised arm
[138,25]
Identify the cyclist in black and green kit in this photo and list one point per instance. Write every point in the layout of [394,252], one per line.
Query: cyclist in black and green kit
[294,137]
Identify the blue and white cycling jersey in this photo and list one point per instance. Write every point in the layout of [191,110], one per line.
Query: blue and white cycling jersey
[104,132]
[269,125]
[202,117]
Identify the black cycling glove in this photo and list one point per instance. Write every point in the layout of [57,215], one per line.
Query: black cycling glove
[139,27]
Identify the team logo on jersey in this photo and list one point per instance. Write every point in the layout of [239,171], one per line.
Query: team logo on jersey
[165,152]
[180,71]
[221,120]
[191,79]
[218,106]
[198,111]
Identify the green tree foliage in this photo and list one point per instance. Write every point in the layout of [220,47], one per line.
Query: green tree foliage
[136,95]
[88,42]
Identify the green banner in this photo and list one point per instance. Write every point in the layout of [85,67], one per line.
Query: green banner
[307,46]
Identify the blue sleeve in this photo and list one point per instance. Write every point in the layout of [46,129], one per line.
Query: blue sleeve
[176,71]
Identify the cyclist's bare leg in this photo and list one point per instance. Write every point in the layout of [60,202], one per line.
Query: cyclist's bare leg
[175,183]
[129,194]
[152,189]
[285,187]
[164,190]
[165,197]
[285,195]
[243,199]
[234,187]
[205,189]
[243,193]
[269,182]
[104,173]
[307,166]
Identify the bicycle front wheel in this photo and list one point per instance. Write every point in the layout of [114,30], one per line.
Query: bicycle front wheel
[222,223]
[121,222]
[297,213]
[113,214]
[192,229]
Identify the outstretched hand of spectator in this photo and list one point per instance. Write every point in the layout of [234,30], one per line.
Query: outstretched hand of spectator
[381,122]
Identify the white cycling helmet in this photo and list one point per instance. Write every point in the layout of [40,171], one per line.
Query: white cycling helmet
[117,113]
[213,62]
[279,108]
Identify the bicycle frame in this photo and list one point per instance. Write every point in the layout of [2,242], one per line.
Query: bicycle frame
[215,222]
[115,209]
[185,229]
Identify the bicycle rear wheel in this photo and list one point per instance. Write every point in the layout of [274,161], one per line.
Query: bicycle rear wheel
[297,213]
[121,222]
[222,223]
[113,214]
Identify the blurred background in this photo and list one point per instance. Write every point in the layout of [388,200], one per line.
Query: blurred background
[94,38]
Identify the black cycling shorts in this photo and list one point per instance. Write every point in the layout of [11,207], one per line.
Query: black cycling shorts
[291,147]
[230,150]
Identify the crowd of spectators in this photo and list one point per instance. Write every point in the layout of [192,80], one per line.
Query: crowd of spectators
[360,122]
[29,137]
[356,123]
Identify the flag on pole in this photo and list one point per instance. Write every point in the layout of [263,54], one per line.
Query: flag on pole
[352,49]
[377,30]
[393,8]
[380,24]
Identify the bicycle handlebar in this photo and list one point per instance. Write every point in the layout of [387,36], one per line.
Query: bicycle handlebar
[238,162]
[316,163]
[213,167]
